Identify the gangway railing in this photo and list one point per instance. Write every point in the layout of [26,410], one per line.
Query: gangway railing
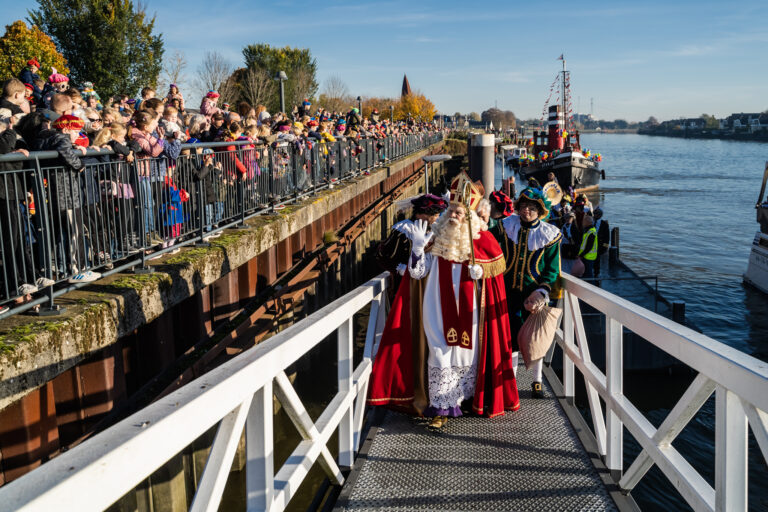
[238,396]
[739,381]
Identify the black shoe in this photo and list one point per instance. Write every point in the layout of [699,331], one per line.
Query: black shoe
[536,390]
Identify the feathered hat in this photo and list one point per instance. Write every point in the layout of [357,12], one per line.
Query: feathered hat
[502,202]
[534,195]
[428,204]
[464,192]
[212,94]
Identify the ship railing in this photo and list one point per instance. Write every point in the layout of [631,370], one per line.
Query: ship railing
[739,382]
[238,397]
[115,215]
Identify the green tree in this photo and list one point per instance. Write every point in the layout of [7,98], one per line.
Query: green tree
[20,43]
[107,42]
[297,63]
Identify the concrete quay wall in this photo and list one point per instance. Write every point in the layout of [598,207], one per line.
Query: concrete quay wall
[61,375]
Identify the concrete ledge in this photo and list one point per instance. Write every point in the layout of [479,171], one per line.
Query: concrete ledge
[34,350]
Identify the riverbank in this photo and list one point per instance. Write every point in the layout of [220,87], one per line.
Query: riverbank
[761,136]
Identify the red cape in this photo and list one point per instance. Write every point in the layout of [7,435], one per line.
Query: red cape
[398,378]
[496,387]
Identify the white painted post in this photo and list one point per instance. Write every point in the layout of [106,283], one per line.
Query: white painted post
[730,452]
[346,433]
[614,369]
[259,466]
[568,369]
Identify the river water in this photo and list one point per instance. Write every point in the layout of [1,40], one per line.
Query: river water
[685,208]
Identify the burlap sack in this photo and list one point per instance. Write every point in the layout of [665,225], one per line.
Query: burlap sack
[537,333]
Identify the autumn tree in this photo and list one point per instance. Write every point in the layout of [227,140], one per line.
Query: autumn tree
[297,63]
[416,106]
[21,43]
[108,42]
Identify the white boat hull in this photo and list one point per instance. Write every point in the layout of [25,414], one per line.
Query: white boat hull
[757,269]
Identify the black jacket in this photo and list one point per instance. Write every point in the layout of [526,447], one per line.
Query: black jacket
[11,184]
[63,171]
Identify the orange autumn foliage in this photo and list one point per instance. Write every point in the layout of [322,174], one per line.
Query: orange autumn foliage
[21,43]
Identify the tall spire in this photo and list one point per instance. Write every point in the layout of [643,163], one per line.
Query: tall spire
[406,87]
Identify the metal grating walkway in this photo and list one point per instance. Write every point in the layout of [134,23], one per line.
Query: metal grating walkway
[531,459]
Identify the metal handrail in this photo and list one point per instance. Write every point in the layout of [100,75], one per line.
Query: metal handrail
[238,396]
[739,381]
[111,232]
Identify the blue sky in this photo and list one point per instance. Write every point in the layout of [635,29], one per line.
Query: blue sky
[666,59]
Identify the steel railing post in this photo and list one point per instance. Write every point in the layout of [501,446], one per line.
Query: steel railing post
[614,372]
[259,465]
[41,208]
[568,367]
[345,368]
[731,452]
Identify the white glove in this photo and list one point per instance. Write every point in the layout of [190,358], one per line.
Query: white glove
[420,237]
[475,272]
[401,268]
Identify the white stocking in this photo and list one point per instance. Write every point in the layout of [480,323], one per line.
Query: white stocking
[515,359]
[536,369]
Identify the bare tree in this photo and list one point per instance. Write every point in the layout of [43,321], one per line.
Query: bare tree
[298,87]
[173,70]
[214,74]
[335,95]
[257,86]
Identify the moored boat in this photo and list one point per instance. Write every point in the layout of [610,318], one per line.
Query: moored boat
[559,149]
[757,269]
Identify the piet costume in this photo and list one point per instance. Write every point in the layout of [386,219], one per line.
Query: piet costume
[532,254]
[399,370]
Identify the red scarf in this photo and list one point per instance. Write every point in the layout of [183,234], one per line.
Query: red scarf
[457,323]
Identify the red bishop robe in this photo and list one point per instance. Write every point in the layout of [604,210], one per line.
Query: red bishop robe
[496,387]
[399,375]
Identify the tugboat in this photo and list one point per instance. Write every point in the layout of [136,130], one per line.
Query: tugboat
[559,149]
[757,269]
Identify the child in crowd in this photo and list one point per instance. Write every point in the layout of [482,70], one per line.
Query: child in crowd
[208,105]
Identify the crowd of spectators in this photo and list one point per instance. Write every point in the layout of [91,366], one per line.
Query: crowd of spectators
[148,131]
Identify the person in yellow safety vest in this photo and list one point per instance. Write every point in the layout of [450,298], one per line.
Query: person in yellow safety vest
[588,249]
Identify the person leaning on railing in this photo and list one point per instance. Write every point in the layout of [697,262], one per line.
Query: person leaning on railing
[65,194]
[147,169]
[19,275]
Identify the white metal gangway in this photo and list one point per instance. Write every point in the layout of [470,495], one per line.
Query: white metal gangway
[740,382]
[238,396]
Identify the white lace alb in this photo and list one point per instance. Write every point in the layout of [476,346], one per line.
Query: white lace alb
[448,387]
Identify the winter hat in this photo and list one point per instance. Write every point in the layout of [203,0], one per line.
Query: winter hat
[68,122]
[207,151]
[306,102]
[33,62]
[212,94]
[284,127]
[312,123]
[56,77]
[30,89]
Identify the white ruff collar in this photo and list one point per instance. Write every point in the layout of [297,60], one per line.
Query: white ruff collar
[538,237]
[405,227]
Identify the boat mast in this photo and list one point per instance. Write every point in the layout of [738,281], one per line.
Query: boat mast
[565,105]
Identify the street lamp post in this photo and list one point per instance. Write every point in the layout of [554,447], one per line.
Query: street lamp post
[391,114]
[282,77]
[360,105]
